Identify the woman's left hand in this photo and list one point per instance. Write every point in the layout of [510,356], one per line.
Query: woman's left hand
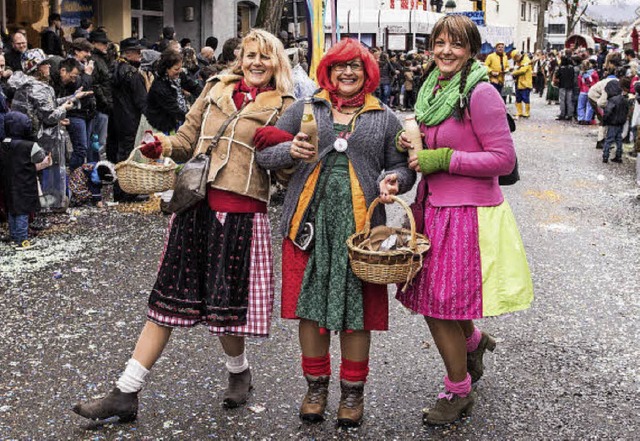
[388,188]
[414,164]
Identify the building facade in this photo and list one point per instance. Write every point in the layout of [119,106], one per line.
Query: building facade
[193,19]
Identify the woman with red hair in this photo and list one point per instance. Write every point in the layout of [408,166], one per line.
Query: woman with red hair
[357,162]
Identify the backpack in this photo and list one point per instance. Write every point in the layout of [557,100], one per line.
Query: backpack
[514,176]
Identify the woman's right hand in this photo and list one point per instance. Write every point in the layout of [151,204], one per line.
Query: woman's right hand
[404,142]
[300,148]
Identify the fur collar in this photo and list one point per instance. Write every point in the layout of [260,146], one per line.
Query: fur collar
[221,94]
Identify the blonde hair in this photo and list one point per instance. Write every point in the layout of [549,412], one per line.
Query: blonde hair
[268,44]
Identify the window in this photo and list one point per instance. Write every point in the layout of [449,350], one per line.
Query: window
[523,11]
[530,7]
[147,18]
[557,29]
[535,14]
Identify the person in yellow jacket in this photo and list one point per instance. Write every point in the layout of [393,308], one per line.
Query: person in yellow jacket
[523,75]
[497,64]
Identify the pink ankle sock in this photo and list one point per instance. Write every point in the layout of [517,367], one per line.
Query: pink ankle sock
[462,389]
[474,340]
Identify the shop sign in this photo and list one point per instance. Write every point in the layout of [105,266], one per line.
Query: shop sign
[477,16]
[72,11]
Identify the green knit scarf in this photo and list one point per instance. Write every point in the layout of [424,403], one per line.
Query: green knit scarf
[433,109]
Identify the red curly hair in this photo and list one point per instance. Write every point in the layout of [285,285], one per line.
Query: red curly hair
[347,50]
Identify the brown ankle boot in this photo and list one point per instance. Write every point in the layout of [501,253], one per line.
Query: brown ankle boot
[238,389]
[116,403]
[351,406]
[475,366]
[447,411]
[315,401]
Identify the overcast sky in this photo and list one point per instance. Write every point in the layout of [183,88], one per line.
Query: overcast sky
[619,12]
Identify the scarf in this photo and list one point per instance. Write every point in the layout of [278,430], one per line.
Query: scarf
[432,109]
[355,101]
[182,102]
[243,93]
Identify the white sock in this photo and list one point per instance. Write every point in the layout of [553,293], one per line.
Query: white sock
[132,378]
[238,364]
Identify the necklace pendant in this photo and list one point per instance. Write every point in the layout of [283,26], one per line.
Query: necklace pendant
[341,145]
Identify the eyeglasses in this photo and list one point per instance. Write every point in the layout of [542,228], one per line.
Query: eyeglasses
[356,66]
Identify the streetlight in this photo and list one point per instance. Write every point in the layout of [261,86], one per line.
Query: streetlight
[450,6]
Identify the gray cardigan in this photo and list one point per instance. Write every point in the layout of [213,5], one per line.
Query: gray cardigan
[372,153]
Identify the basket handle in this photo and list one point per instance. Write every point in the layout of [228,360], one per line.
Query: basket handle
[412,221]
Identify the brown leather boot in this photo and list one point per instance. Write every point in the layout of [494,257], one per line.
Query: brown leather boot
[475,366]
[351,408]
[116,403]
[315,401]
[237,392]
[447,411]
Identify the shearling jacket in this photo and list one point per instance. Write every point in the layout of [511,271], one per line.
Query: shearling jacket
[371,151]
[233,164]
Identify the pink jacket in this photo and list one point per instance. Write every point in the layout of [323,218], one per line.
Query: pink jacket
[483,150]
[585,84]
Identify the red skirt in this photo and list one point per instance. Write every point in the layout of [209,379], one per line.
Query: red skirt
[375,298]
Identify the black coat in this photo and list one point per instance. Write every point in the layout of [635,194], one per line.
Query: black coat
[129,102]
[19,176]
[617,109]
[51,43]
[13,59]
[566,77]
[163,111]
[101,82]
[86,108]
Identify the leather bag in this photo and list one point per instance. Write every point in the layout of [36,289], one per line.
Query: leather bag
[191,182]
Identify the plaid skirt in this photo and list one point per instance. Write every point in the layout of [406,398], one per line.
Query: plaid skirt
[216,269]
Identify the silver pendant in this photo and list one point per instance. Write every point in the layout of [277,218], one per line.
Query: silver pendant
[341,145]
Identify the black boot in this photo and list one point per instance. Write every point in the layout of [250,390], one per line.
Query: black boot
[116,403]
[238,390]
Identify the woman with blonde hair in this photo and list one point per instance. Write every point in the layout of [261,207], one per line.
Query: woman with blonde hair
[216,268]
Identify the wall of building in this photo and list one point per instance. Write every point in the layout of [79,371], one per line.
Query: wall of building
[189,27]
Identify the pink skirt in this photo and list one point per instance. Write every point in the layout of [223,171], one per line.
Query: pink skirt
[450,283]
[476,267]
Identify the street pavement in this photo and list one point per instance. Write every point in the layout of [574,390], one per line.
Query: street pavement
[565,369]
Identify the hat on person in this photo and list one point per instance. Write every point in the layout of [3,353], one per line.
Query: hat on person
[104,173]
[99,36]
[130,44]
[168,32]
[515,54]
[31,59]
[81,44]
[499,42]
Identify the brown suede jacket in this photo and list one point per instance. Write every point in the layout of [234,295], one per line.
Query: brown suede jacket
[233,165]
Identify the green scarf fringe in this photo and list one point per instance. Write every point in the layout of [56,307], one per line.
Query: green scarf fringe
[432,109]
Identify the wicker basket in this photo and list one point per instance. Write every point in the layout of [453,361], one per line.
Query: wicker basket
[140,178]
[392,266]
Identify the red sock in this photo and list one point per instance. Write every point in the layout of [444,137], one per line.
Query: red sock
[317,366]
[354,370]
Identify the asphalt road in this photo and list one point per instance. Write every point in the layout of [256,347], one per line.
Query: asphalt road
[565,369]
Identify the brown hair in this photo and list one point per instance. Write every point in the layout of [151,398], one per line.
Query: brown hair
[461,28]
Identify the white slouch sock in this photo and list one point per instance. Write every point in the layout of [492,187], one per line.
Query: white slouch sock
[132,378]
[238,364]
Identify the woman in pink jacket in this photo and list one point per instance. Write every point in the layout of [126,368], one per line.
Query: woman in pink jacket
[587,78]
[477,265]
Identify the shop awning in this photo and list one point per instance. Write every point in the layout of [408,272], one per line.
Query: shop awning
[394,21]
